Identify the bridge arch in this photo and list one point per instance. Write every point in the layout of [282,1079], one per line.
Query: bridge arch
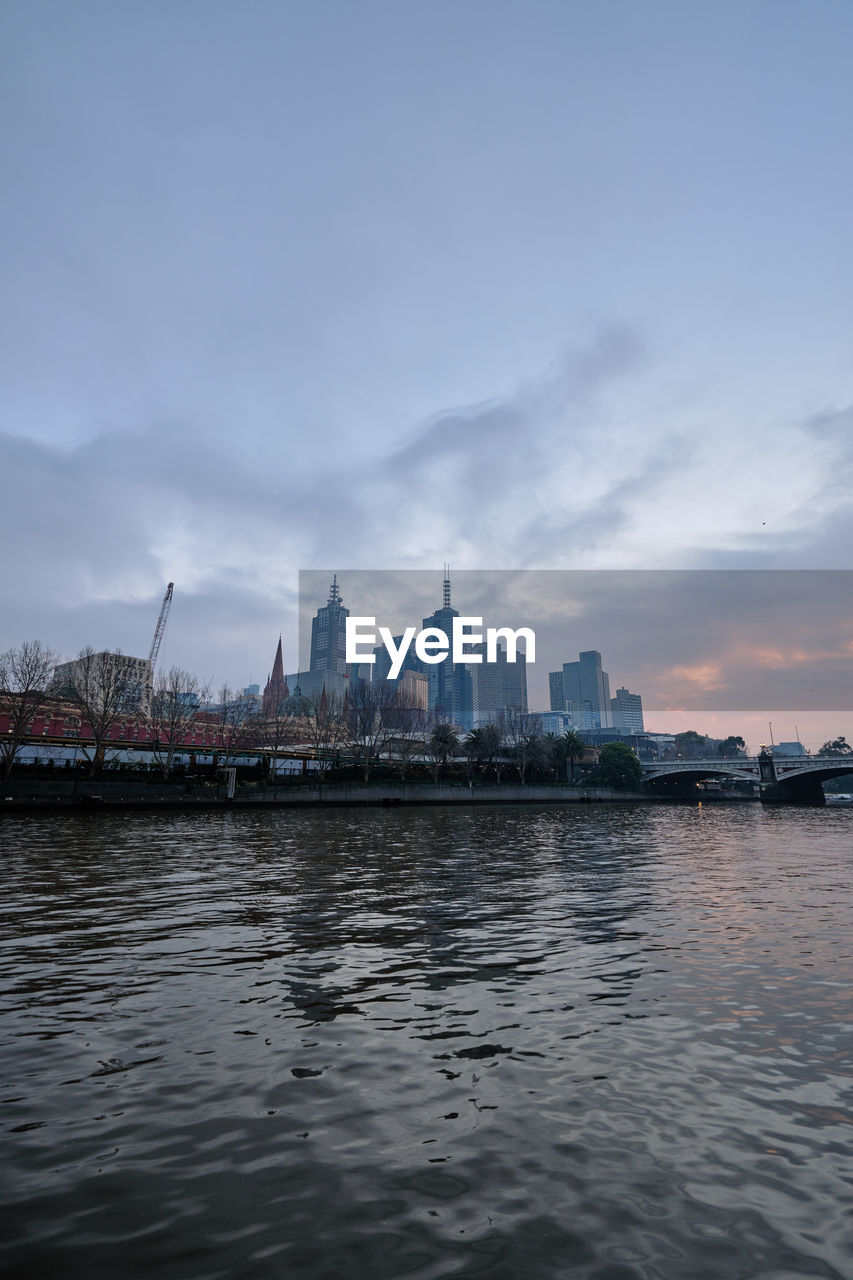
[681,777]
[783,780]
[803,783]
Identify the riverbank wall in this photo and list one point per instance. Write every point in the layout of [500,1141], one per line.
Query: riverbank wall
[26,795]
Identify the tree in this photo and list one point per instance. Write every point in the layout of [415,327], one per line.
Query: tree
[105,690]
[440,746]
[544,752]
[573,748]
[836,747]
[472,748]
[324,717]
[618,766]
[732,747]
[174,705]
[232,716]
[482,747]
[25,677]
[553,744]
[368,721]
[278,728]
[492,741]
[523,737]
[406,718]
[690,744]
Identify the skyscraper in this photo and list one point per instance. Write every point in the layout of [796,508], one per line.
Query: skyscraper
[451,692]
[382,663]
[328,634]
[499,686]
[586,689]
[556,691]
[627,709]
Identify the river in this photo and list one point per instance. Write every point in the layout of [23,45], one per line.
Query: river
[603,1042]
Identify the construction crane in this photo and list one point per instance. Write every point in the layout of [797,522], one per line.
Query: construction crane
[159,629]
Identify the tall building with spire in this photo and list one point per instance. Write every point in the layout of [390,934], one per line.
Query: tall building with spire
[275,690]
[451,693]
[328,634]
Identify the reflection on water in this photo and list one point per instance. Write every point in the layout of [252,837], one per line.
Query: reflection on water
[610,1044]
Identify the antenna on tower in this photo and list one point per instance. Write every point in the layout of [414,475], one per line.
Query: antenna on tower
[160,628]
[447,586]
[334,593]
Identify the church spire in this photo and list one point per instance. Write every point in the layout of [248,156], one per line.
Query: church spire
[276,688]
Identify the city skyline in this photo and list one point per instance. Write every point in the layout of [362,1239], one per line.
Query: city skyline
[551,285]
[785,661]
[685,641]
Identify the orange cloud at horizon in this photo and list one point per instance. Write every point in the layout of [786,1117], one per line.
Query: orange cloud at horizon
[705,676]
[813,727]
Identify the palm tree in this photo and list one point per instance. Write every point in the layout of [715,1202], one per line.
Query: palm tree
[491,747]
[442,745]
[474,747]
[573,748]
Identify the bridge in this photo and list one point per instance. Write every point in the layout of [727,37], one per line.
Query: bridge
[781,779]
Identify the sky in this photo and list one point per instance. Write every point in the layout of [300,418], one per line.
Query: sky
[378,286]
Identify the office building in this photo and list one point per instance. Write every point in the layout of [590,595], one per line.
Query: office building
[556,692]
[586,690]
[451,690]
[627,711]
[382,663]
[556,722]
[109,679]
[414,685]
[312,685]
[498,686]
[328,634]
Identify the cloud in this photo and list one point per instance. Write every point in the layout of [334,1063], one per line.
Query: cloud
[813,522]
[704,678]
[532,478]
[546,475]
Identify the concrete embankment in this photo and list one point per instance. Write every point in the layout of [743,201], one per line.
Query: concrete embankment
[24,795]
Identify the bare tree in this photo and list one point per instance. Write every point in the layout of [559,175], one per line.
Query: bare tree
[174,705]
[324,718]
[523,737]
[278,728]
[544,754]
[232,718]
[406,719]
[105,689]
[368,721]
[25,677]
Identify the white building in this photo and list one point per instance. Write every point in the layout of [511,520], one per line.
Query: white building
[109,678]
[627,711]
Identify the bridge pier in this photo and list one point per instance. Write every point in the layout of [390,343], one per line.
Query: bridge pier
[803,790]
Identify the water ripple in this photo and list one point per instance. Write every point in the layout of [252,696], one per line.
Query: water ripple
[604,1044]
